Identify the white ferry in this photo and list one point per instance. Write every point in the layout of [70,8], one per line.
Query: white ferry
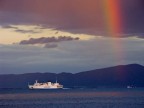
[47,85]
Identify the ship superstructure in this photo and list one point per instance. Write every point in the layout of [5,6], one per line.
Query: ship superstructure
[47,85]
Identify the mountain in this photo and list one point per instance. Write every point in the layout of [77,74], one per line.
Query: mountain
[117,76]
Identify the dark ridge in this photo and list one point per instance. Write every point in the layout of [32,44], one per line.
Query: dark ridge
[117,76]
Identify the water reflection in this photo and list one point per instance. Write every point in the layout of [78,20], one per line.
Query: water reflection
[73,99]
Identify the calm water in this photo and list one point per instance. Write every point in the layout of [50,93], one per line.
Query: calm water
[72,98]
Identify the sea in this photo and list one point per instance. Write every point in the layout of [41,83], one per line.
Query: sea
[73,98]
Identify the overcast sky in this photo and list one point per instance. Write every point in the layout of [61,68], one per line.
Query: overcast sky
[70,35]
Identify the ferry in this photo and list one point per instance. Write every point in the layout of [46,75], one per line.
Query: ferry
[46,85]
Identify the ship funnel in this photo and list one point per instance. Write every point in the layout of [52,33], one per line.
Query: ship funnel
[56,79]
[36,81]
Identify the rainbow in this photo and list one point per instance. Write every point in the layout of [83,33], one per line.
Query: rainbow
[112,17]
[113,20]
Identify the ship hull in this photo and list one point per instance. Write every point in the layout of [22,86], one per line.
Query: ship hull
[31,87]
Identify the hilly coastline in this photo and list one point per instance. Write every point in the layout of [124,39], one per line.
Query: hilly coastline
[117,76]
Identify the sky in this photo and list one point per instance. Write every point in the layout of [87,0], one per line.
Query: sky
[70,35]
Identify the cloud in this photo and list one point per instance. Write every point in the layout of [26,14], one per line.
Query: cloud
[45,40]
[27,31]
[76,16]
[74,56]
[9,27]
[18,29]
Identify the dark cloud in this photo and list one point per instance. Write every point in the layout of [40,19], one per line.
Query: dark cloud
[9,27]
[27,31]
[133,16]
[76,16]
[45,40]
[17,29]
